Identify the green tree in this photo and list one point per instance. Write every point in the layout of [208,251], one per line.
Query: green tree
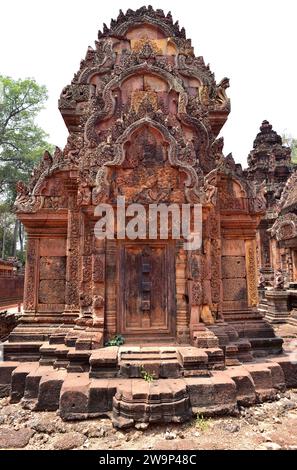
[22,142]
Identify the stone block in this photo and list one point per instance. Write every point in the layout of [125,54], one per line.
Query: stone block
[289,368]
[233,247]
[245,387]
[52,291]
[33,380]
[52,247]
[6,370]
[201,391]
[234,289]
[74,396]
[101,395]
[262,378]
[233,267]
[170,368]
[52,267]
[224,389]
[49,390]
[18,380]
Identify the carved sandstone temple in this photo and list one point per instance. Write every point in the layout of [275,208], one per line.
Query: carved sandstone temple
[143,114]
[269,168]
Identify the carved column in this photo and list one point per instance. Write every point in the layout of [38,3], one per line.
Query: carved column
[182,317]
[98,284]
[112,285]
[31,277]
[72,268]
[251,272]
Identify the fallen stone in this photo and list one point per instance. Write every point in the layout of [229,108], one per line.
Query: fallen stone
[169,436]
[141,426]
[270,446]
[231,427]
[12,439]
[183,444]
[69,440]
[43,423]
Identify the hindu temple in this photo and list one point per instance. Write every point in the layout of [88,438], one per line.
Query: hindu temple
[144,329]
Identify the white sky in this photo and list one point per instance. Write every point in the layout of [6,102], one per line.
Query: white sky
[252,42]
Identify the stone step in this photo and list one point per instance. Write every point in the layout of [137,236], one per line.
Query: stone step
[158,401]
[32,384]
[54,354]
[264,346]
[6,370]
[49,390]
[268,379]
[78,360]
[104,362]
[130,400]
[245,386]
[25,351]
[18,380]
[57,338]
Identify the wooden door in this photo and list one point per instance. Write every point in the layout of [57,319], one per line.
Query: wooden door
[146,289]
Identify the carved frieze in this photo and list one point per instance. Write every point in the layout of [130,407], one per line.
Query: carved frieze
[285,227]
[251,272]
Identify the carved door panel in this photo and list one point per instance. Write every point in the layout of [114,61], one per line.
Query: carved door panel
[146,289]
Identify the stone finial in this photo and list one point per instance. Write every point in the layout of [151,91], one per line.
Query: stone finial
[267,135]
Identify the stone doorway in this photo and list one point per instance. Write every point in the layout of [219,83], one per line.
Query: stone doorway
[146,297]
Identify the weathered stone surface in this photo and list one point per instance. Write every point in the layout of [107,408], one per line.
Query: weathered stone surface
[6,370]
[139,111]
[52,291]
[245,387]
[234,289]
[289,368]
[14,439]
[49,390]
[69,440]
[233,267]
[52,247]
[52,267]
[74,396]
[18,380]
[233,247]
[101,395]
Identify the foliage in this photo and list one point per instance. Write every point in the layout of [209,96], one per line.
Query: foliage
[201,422]
[22,142]
[147,376]
[116,340]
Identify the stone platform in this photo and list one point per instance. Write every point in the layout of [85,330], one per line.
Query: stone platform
[185,380]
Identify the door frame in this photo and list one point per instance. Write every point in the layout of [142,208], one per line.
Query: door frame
[170,286]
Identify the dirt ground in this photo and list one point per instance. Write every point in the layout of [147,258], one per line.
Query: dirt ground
[268,426]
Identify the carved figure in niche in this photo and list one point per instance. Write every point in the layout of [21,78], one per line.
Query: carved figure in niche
[210,193]
[101,191]
[279,280]
[222,98]
[22,193]
[203,93]
[188,154]
[84,194]
[260,199]
[145,148]
[98,302]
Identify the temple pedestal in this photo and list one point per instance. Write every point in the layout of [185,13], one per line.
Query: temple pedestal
[277,306]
